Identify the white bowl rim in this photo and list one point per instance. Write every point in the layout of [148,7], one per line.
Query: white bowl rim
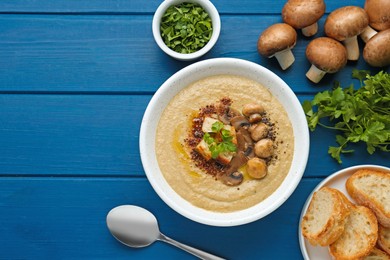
[151,118]
[216,23]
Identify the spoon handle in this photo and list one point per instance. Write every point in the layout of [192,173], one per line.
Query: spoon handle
[196,252]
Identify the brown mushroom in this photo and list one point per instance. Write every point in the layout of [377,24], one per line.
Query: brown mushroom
[326,56]
[345,24]
[303,14]
[377,49]
[231,176]
[255,118]
[232,179]
[257,168]
[250,129]
[245,143]
[252,108]
[378,12]
[253,111]
[264,148]
[238,160]
[228,114]
[278,40]
[260,131]
[239,121]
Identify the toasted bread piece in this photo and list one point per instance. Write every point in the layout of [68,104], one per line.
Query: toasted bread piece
[377,254]
[325,217]
[335,232]
[384,238]
[203,149]
[359,237]
[371,188]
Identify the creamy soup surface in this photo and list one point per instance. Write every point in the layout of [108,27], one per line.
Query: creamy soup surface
[173,155]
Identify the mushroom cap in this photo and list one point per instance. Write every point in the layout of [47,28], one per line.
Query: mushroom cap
[302,13]
[346,22]
[326,54]
[277,37]
[377,49]
[378,12]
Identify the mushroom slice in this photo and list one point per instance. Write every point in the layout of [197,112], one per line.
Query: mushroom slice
[378,12]
[326,56]
[228,115]
[239,122]
[278,40]
[238,160]
[245,143]
[344,24]
[303,14]
[231,176]
[232,179]
[377,50]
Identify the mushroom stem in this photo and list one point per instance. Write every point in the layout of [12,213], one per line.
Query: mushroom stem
[315,74]
[352,46]
[310,30]
[367,34]
[285,58]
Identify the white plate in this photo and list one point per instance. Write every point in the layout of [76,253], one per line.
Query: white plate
[336,180]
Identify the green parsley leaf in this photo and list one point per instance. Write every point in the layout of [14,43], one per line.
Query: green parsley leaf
[360,74]
[216,127]
[220,145]
[186,28]
[361,115]
[208,139]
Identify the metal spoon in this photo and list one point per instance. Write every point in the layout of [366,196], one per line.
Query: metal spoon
[136,227]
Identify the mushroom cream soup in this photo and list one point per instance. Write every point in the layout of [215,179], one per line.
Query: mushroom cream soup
[194,183]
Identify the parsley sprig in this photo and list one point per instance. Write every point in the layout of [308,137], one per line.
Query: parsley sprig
[220,141]
[186,28]
[361,115]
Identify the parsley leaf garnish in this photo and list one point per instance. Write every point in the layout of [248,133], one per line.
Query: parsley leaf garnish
[361,115]
[186,28]
[220,140]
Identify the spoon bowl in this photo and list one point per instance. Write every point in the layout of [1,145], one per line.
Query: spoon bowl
[137,227]
[133,226]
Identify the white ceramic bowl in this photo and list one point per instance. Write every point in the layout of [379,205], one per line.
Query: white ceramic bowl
[195,72]
[215,19]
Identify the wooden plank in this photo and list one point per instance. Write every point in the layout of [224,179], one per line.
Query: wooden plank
[97,135]
[65,218]
[140,6]
[72,53]
[70,134]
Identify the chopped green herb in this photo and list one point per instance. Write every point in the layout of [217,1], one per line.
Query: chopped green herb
[361,115]
[186,28]
[217,147]
[216,127]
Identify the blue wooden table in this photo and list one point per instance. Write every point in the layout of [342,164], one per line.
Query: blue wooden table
[75,79]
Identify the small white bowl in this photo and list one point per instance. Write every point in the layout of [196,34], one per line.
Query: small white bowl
[215,19]
[195,72]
